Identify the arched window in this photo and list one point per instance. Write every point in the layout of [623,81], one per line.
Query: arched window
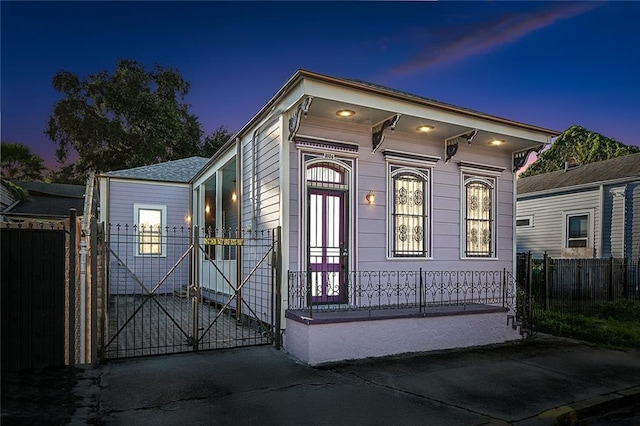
[479,213]
[409,212]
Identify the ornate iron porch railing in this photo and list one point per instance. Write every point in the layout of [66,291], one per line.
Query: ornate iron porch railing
[373,290]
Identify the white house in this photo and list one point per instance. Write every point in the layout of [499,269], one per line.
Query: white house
[590,210]
[396,212]
[389,223]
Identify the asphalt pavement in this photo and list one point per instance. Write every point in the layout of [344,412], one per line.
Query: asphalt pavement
[543,380]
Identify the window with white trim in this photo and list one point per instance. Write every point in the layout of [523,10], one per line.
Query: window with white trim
[478,207]
[577,230]
[524,222]
[409,233]
[149,223]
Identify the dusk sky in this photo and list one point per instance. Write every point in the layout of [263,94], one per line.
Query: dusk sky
[550,64]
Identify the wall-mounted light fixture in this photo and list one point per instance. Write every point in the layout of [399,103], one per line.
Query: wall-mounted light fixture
[371,197]
[207,209]
[234,197]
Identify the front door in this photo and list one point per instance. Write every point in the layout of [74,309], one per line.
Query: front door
[327,245]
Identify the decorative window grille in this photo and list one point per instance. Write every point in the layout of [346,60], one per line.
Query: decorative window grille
[409,213]
[479,210]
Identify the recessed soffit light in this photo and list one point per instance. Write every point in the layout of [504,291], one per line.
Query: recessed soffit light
[496,142]
[424,128]
[345,113]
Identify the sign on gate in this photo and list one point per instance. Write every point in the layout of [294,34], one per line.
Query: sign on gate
[223,241]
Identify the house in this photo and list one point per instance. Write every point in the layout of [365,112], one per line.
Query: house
[44,202]
[153,200]
[392,217]
[590,210]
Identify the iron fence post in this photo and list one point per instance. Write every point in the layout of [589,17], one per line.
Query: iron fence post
[421,287]
[195,286]
[72,287]
[278,283]
[93,256]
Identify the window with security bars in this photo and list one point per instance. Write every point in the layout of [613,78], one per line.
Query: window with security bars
[479,217]
[409,214]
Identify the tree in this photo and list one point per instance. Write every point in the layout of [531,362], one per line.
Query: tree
[18,162]
[213,142]
[129,118]
[577,145]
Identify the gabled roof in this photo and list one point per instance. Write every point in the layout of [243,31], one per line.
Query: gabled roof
[180,171]
[627,166]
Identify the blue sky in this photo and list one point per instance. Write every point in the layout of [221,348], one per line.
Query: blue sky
[551,64]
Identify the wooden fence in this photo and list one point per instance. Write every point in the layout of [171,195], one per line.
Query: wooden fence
[578,285]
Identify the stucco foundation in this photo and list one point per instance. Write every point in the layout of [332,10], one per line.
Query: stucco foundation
[321,341]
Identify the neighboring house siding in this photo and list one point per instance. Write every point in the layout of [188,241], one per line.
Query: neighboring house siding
[633,221]
[547,233]
[613,221]
[148,269]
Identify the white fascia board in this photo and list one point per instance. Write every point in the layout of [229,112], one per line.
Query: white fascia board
[147,182]
[215,166]
[355,97]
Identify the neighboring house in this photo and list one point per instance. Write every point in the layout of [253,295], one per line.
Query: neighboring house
[397,215]
[590,210]
[44,201]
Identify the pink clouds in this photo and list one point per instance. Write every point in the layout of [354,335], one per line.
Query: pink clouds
[480,37]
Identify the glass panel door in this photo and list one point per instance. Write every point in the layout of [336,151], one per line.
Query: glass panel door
[327,245]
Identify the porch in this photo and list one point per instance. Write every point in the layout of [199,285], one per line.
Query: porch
[384,313]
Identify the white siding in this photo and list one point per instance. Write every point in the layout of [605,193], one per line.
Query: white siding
[616,222]
[633,220]
[547,233]
[370,227]
[266,179]
[265,207]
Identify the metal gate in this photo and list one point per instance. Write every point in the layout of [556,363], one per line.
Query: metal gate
[183,289]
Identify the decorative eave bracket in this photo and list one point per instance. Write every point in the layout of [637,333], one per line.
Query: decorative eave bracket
[294,120]
[377,135]
[451,144]
[520,158]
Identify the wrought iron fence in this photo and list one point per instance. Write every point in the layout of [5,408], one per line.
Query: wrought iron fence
[578,285]
[188,289]
[375,290]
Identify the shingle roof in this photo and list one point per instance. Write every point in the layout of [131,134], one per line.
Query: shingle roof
[55,189]
[627,166]
[49,199]
[171,171]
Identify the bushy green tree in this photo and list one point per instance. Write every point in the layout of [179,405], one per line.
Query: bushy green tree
[213,142]
[128,118]
[18,162]
[577,145]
